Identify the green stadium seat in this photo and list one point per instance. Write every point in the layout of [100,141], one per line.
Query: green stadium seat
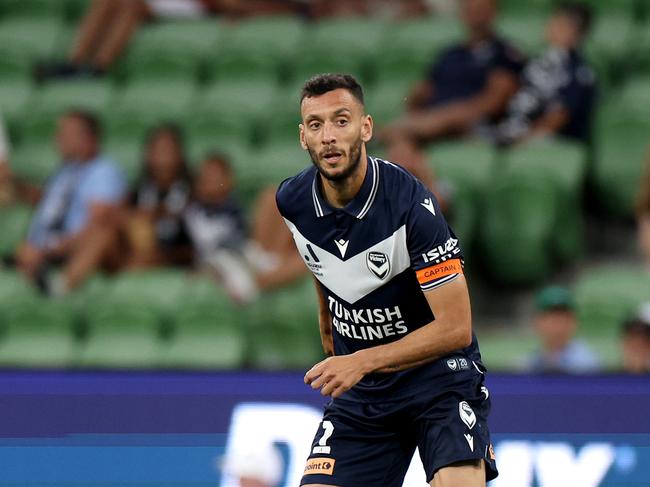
[40,9]
[282,348]
[518,218]
[38,332]
[14,221]
[75,9]
[248,100]
[121,336]
[143,104]
[256,48]
[534,6]
[565,164]
[281,121]
[33,39]
[633,100]
[386,100]
[34,161]
[610,43]
[14,97]
[292,307]
[525,30]
[409,48]
[606,295]
[125,327]
[170,49]
[622,148]
[56,97]
[345,45]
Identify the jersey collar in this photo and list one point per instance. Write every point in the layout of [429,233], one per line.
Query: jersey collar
[360,204]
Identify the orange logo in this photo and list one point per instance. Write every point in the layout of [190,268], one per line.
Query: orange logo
[491,450]
[322,466]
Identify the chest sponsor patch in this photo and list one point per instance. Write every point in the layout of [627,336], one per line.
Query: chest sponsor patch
[320,466]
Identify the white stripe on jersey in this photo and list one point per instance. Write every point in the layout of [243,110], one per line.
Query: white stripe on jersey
[335,273]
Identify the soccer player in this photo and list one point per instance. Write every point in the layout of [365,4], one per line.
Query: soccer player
[404,369]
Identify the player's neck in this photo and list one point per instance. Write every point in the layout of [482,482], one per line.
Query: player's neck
[340,193]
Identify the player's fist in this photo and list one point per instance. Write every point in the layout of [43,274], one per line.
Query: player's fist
[335,375]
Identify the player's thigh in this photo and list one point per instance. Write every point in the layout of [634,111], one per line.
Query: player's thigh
[467,474]
[353,446]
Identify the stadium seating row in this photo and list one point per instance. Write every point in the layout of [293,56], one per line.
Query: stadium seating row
[167,319]
[156,319]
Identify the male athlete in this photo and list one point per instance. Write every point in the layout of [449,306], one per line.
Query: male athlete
[385,263]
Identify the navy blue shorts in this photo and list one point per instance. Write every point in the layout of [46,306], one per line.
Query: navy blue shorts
[372,444]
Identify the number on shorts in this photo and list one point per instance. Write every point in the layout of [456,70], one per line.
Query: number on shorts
[322,443]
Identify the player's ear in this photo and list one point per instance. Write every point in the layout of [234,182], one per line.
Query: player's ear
[366,128]
[302,136]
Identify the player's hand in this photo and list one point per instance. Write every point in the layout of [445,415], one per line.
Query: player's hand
[335,375]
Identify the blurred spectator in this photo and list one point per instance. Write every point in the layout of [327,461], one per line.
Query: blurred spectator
[643,214]
[257,467]
[558,89]
[636,342]
[75,224]
[155,229]
[107,27]
[244,264]
[468,86]
[556,326]
[217,229]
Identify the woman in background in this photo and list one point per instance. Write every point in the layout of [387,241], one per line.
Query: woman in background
[154,226]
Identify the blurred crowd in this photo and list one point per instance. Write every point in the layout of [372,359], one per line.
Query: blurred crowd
[88,219]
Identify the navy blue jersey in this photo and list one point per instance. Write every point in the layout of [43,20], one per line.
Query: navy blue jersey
[373,259]
[462,71]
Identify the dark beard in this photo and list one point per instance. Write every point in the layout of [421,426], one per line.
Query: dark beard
[355,160]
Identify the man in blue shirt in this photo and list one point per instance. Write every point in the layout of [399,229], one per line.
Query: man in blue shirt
[404,369]
[75,222]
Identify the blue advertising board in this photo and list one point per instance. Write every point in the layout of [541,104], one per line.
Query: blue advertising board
[169,429]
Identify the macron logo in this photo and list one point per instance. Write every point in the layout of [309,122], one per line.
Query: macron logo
[470,441]
[428,204]
[342,245]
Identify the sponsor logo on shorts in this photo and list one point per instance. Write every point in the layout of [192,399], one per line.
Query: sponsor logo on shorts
[320,466]
[458,364]
[491,452]
[466,414]
[452,364]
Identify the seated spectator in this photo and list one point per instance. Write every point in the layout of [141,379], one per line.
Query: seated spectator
[221,242]
[155,230]
[556,326]
[558,89]
[469,86]
[636,342]
[75,224]
[643,215]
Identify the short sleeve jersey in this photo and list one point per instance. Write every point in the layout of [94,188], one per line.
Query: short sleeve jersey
[373,259]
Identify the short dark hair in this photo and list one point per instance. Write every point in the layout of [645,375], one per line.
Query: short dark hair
[324,83]
[89,119]
[580,14]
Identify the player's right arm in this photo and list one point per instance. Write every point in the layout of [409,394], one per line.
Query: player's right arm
[324,322]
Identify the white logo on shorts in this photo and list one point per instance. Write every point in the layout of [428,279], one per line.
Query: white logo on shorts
[470,440]
[466,414]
